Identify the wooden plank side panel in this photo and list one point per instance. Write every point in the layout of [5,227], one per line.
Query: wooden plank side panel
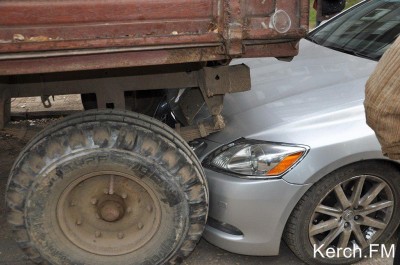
[45,12]
[260,15]
[257,8]
[56,24]
[39,36]
[106,36]
[108,60]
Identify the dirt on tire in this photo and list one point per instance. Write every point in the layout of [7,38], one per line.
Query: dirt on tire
[110,138]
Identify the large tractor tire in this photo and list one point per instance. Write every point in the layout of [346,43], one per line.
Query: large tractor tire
[107,187]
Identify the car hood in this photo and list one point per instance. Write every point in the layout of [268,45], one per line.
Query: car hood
[319,82]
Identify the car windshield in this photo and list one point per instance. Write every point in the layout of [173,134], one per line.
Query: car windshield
[367,30]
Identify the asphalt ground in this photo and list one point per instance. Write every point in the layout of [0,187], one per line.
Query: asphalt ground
[17,134]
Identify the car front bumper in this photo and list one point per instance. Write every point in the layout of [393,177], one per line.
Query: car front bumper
[248,216]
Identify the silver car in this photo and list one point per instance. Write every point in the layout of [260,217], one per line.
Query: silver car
[297,160]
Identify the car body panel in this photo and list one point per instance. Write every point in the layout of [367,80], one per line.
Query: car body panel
[317,83]
[258,201]
[317,101]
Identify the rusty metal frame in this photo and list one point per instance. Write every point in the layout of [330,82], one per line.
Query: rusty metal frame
[233,27]
[110,86]
[218,80]
[215,80]
[5,103]
[158,33]
[107,47]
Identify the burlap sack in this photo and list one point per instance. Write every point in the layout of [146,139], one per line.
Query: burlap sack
[382,101]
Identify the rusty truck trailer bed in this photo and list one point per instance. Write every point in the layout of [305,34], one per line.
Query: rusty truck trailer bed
[42,36]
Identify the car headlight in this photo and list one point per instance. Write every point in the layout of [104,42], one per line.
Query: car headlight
[256,159]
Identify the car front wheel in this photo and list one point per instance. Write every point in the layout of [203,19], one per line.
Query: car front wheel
[339,218]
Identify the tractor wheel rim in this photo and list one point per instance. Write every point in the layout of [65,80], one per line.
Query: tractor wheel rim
[108,213]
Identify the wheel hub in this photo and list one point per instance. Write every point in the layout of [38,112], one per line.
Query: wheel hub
[348,215]
[109,213]
[112,208]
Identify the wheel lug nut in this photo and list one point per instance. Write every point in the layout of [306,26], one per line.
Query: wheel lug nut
[124,195]
[140,226]
[356,217]
[97,234]
[346,224]
[93,201]
[121,235]
[78,221]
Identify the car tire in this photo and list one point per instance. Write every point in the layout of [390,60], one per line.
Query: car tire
[321,221]
[107,187]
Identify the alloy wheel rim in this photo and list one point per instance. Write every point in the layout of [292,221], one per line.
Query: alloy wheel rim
[108,213]
[352,215]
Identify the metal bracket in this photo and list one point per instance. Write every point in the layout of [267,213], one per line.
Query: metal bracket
[110,98]
[202,129]
[214,83]
[225,79]
[233,33]
[46,101]
[5,106]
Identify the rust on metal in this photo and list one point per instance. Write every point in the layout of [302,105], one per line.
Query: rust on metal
[67,63]
[202,129]
[233,27]
[225,79]
[41,36]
